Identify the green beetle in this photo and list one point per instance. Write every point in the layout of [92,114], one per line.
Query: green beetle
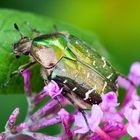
[78,68]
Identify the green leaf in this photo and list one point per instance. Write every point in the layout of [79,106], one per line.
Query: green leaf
[8,35]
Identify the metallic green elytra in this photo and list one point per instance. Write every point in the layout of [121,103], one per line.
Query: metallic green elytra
[78,68]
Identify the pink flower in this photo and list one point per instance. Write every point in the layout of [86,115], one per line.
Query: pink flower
[108,107]
[134,74]
[109,101]
[93,120]
[12,119]
[53,89]
[132,114]
[66,119]
[123,82]
[131,95]
[27,87]
[80,123]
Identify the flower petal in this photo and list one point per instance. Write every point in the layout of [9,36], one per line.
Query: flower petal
[134,131]
[109,100]
[12,119]
[27,87]
[134,74]
[67,120]
[96,116]
[123,82]
[53,89]
[80,122]
[132,114]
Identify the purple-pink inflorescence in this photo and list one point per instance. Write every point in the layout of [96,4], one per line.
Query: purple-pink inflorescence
[107,121]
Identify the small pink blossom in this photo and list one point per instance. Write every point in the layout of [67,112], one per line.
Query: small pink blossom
[93,119]
[108,106]
[12,119]
[66,119]
[132,114]
[123,82]
[109,101]
[53,89]
[134,74]
[21,127]
[80,123]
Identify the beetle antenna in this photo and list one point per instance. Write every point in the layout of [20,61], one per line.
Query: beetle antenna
[17,28]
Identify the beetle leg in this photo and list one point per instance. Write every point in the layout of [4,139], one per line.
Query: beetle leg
[80,110]
[17,72]
[85,118]
[56,98]
[67,92]
[22,69]
[26,66]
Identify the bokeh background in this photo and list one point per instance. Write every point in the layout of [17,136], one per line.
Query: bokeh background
[115,23]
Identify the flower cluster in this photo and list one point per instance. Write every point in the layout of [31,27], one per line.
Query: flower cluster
[107,121]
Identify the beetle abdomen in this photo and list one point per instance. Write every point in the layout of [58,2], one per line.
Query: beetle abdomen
[77,94]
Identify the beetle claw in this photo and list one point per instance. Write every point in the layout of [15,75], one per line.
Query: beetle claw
[14,74]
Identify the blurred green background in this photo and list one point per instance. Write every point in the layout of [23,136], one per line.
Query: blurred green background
[115,23]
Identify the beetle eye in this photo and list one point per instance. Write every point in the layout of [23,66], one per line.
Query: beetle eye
[17,56]
[15,45]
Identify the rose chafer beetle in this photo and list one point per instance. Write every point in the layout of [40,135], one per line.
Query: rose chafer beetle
[78,68]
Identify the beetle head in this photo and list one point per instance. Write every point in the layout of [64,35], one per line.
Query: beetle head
[23,45]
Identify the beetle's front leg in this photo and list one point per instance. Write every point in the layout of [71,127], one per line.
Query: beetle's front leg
[17,72]
[22,69]
[26,66]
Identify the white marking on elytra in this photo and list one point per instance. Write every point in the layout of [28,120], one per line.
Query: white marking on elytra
[105,84]
[63,70]
[88,74]
[94,63]
[74,88]
[104,61]
[109,76]
[76,42]
[65,81]
[89,92]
